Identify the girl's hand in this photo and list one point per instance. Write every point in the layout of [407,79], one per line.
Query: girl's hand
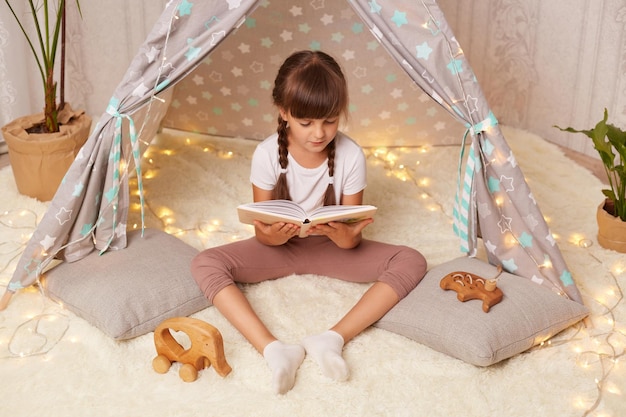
[345,235]
[275,234]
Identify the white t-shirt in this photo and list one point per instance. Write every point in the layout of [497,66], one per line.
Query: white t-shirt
[308,185]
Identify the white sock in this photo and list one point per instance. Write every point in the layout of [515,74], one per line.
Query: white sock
[283,360]
[325,348]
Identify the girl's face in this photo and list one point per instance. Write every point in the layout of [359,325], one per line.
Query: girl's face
[312,135]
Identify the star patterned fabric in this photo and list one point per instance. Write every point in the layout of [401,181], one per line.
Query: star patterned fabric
[408,56]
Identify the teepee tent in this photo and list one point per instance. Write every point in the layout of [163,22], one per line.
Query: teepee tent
[493,200]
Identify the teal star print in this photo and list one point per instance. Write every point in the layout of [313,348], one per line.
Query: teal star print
[78,189]
[566,278]
[423,50]
[509,265]
[455,66]
[110,195]
[526,240]
[493,184]
[185,8]
[85,229]
[399,18]
[337,37]
[193,52]
[488,147]
[374,7]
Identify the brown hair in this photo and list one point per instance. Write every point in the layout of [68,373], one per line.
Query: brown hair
[309,85]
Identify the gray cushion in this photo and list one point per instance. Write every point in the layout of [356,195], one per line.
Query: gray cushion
[527,315]
[129,292]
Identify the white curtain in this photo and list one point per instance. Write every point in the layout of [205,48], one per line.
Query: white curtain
[544,63]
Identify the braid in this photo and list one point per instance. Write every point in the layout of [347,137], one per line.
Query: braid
[281,190]
[309,85]
[329,197]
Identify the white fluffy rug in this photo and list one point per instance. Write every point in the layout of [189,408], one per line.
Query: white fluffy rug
[193,184]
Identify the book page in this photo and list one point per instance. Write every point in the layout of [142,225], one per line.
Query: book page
[273,211]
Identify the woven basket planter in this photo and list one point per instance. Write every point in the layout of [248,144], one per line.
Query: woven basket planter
[611,229]
[40,161]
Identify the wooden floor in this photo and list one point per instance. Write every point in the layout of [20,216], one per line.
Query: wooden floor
[592,164]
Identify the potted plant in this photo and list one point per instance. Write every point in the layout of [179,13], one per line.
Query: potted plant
[43,146]
[610,142]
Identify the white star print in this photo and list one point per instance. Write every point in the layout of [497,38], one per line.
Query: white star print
[63,215]
[152,54]
[505,223]
[327,19]
[47,242]
[507,182]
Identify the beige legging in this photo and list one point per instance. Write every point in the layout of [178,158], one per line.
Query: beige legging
[249,261]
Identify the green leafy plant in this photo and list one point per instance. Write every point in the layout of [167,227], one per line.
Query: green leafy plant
[49,27]
[610,142]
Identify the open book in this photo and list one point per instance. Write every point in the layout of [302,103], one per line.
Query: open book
[272,211]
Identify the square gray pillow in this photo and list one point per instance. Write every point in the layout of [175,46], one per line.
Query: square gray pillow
[527,315]
[127,293]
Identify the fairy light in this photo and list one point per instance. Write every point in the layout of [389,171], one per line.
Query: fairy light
[546,264]
[32,322]
[510,240]
[168,219]
[598,352]
[226,154]
[603,352]
[149,174]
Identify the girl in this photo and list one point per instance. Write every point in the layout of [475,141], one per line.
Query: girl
[310,162]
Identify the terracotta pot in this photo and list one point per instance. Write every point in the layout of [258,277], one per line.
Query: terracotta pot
[40,161]
[611,230]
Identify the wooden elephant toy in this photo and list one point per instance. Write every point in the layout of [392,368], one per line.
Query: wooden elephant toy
[207,348]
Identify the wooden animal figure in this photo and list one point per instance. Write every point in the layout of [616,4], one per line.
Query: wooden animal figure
[207,348]
[470,287]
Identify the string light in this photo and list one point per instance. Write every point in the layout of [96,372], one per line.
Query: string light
[43,327]
[605,349]
[596,350]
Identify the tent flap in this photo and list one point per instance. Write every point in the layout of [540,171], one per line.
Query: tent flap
[89,210]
